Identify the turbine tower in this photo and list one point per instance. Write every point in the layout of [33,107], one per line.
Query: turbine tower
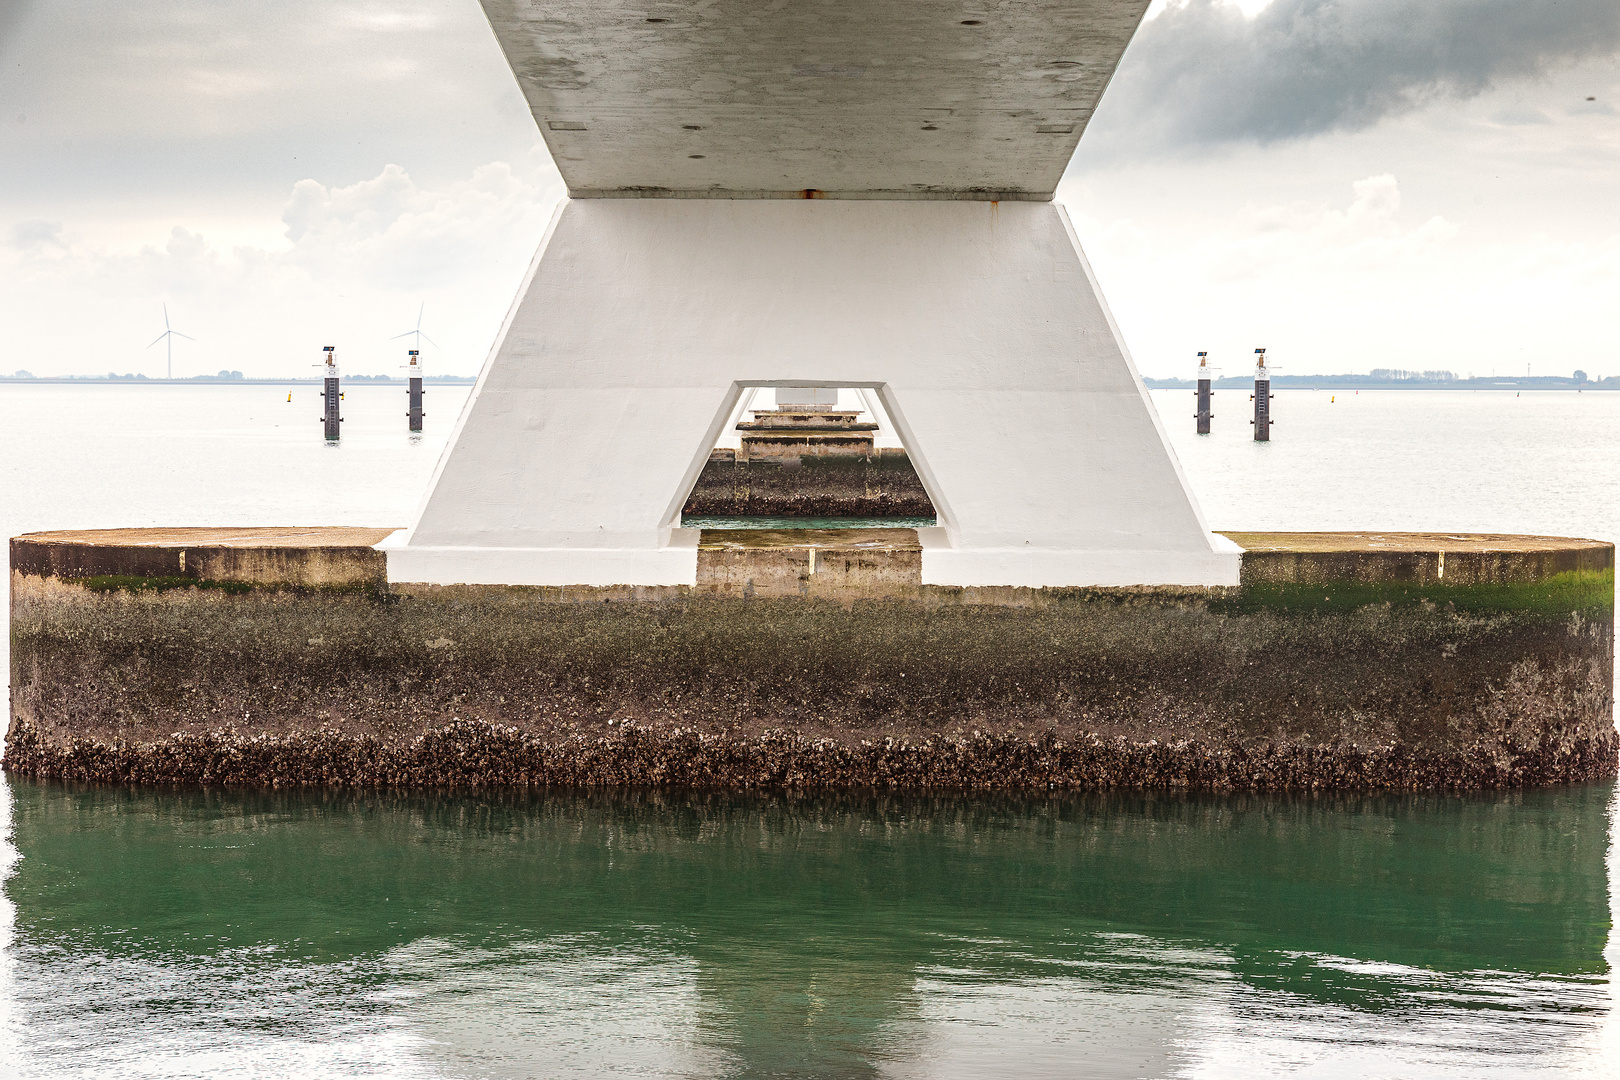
[169,334]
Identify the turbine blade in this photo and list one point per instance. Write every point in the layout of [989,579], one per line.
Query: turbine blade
[160,337]
[165,316]
[407,333]
[177,333]
[430,341]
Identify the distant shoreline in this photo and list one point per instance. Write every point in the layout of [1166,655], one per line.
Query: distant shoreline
[1278,382]
[214,380]
[1367,382]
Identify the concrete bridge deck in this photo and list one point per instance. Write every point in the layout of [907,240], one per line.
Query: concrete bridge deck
[827,98]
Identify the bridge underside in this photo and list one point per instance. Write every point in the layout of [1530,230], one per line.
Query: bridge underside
[846,98]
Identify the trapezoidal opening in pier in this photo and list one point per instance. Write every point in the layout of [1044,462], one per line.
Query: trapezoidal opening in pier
[808,457]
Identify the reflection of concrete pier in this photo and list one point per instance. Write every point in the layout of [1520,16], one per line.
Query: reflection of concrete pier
[835,936]
[813,659]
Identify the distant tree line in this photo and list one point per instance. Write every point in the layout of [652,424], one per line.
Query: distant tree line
[1398,378]
[1402,373]
[227,376]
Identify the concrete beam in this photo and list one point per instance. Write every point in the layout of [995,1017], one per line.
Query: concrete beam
[931,99]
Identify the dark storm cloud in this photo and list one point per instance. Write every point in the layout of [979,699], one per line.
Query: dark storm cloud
[1204,73]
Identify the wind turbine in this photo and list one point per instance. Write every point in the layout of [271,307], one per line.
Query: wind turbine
[170,333]
[417,333]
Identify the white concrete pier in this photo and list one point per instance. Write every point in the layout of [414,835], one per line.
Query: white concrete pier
[922,261]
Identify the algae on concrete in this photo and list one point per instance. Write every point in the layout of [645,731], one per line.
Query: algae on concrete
[1498,679]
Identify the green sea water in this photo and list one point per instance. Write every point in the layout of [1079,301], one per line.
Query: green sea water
[213,933]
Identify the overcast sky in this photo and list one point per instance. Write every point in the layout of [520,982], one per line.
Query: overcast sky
[1350,183]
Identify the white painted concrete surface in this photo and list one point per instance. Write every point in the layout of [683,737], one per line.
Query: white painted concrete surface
[978,326]
[849,98]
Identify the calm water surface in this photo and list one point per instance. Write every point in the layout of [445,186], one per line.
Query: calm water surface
[192,933]
[181,932]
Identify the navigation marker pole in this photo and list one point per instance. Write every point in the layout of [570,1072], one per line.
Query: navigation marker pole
[331,395]
[1204,373]
[415,391]
[1262,399]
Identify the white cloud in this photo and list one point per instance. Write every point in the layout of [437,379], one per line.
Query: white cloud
[303,173]
[356,261]
[171,95]
[394,234]
[1348,287]
[1249,8]
[36,235]
[390,17]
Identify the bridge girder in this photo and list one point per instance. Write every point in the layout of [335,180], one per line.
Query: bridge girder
[927,99]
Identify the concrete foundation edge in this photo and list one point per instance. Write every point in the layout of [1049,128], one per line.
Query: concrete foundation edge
[678,565]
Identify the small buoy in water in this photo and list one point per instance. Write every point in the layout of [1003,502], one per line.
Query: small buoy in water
[289,399]
[1331,399]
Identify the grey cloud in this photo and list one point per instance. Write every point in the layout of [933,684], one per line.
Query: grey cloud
[1593,107]
[33,234]
[1520,115]
[1203,73]
[196,97]
[12,13]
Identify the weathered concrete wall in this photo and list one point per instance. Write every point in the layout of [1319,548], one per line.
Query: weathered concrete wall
[885,484]
[864,678]
[316,558]
[829,564]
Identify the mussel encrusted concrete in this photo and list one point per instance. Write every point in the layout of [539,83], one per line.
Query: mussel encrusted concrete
[811,660]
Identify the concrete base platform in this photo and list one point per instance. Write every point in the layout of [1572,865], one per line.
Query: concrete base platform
[812,659]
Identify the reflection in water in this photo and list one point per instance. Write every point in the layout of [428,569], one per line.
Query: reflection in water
[711,935]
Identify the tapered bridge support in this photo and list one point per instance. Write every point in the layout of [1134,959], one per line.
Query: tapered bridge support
[979,326]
